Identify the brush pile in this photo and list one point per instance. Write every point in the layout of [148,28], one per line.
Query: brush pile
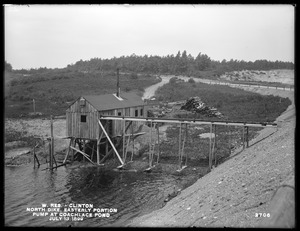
[195,104]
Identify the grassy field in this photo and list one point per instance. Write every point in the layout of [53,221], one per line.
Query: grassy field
[235,104]
[53,92]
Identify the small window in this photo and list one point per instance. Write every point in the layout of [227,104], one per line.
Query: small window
[142,113]
[83,118]
[119,113]
[136,113]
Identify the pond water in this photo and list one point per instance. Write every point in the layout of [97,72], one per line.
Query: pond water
[131,193]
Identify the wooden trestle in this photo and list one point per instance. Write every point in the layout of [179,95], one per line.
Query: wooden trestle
[184,135]
[128,136]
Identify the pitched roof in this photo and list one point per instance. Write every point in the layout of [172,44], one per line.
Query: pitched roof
[111,101]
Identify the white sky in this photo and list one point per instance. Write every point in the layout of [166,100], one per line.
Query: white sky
[57,35]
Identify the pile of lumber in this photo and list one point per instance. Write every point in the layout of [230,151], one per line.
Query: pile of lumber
[195,104]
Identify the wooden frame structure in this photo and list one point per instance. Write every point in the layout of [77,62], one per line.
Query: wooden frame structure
[182,140]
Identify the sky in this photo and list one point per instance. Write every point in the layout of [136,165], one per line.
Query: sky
[54,36]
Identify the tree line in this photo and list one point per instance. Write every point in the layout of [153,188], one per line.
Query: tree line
[181,63]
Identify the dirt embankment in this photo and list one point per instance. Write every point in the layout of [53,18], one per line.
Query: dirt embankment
[19,152]
[237,191]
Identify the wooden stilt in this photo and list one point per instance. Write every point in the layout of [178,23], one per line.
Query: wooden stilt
[158,146]
[93,149]
[74,145]
[209,155]
[123,142]
[186,137]
[83,148]
[98,151]
[98,143]
[247,136]
[229,144]
[132,153]
[68,151]
[182,149]
[106,147]
[34,156]
[243,138]
[50,156]
[213,145]
[52,144]
[150,146]
[215,152]
[179,147]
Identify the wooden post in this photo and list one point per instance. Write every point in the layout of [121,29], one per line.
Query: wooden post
[243,137]
[33,101]
[247,136]
[83,149]
[215,152]
[50,156]
[209,155]
[123,143]
[150,146]
[106,147]
[52,144]
[93,149]
[68,151]
[74,144]
[229,145]
[158,151]
[179,147]
[34,156]
[132,142]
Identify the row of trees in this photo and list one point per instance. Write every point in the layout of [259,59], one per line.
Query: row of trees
[181,63]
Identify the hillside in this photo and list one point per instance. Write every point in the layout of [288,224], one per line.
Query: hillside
[54,90]
[231,194]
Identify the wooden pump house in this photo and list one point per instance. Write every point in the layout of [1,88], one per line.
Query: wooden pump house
[85,128]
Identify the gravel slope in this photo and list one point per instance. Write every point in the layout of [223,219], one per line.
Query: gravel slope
[231,194]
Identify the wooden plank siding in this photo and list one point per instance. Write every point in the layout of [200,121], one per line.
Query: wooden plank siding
[90,128]
[78,129]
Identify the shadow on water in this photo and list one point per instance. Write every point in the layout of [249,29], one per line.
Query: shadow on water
[131,193]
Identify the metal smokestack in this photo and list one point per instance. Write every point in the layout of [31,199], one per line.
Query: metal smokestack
[118,83]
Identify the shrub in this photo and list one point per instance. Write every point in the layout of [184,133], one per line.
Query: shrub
[134,75]
[191,80]
[173,80]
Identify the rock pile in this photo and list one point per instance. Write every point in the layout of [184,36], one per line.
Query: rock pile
[195,104]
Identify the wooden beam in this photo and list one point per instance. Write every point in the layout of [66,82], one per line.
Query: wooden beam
[84,154]
[189,121]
